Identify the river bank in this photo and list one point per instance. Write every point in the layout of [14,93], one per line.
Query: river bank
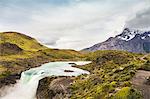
[29,80]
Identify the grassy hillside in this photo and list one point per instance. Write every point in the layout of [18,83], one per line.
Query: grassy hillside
[111,71]
[110,78]
[23,41]
[19,52]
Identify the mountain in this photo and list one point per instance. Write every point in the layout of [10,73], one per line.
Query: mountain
[129,40]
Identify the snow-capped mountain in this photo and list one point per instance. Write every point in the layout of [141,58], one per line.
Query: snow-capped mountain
[129,40]
[129,34]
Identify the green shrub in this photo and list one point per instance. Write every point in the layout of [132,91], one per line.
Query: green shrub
[127,93]
[146,66]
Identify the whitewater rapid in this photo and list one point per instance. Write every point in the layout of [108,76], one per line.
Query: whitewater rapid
[27,85]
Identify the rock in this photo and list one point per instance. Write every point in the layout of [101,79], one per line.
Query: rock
[148,80]
[54,88]
[11,79]
[73,64]
[68,71]
[8,49]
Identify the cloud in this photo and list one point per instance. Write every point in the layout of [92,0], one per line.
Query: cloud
[68,23]
[141,20]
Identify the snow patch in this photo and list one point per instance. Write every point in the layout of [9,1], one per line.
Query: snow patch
[143,37]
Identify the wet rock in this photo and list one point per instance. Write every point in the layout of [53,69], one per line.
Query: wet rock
[11,79]
[68,71]
[54,88]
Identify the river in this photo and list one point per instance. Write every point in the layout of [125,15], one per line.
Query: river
[27,85]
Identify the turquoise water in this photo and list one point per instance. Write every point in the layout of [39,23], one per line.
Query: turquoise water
[53,69]
[27,86]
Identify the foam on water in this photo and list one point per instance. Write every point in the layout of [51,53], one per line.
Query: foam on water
[27,85]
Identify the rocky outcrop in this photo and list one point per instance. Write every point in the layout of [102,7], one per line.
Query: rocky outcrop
[129,40]
[140,82]
[8,49]
[54,88]
[11,79]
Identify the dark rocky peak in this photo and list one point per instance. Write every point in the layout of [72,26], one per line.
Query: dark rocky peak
[128,34]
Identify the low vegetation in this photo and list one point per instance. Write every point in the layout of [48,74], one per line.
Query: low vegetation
[19,52]
[111,72]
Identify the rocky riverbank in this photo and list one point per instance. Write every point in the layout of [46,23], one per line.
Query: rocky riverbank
[54,88]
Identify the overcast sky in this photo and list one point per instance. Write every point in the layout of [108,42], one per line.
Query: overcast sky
[74,24]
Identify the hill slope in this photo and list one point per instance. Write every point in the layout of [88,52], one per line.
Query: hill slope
[19,52]
[129,40]
[111,76]
[23,41]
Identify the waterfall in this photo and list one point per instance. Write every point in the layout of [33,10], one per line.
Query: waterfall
[27,86]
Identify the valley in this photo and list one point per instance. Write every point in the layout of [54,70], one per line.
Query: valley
[111,71]
[75,49]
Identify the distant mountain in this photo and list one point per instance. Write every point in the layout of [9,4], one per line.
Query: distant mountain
[129,40]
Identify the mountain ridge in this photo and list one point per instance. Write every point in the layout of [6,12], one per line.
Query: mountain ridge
[129,40]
